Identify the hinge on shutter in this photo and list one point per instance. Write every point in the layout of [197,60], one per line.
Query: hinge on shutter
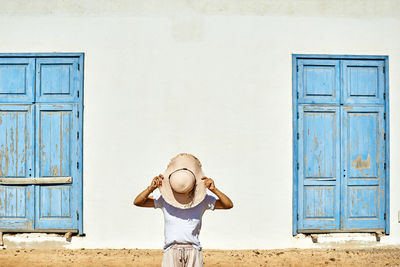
[384,136]
[384,166]
[298,166]
[297,95]
[384,96]
[77,114]
[77,164]
[78,93]
[77,215]
[78,66]
[298,136]
[383,69]
[384,116]
[77,135]
[297,115]
[384,216]
[297,216]
[297,68]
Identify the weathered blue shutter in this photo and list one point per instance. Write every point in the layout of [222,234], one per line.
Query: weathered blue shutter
[341,145]
[40,138]
[319,177]
[16,161]
[56,153]
[363,145]
[17,80]
[363,154]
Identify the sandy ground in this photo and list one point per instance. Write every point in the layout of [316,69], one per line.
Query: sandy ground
[386,256]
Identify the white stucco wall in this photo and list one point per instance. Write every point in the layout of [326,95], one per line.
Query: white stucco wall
[212,79]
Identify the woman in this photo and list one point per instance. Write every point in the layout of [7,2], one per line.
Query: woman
[183,201]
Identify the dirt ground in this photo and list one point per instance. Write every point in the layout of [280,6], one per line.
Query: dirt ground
[386,256]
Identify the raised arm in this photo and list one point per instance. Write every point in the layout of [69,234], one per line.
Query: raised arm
[143,199]
[223,201]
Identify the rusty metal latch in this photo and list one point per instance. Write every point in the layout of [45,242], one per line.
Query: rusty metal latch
[36,180]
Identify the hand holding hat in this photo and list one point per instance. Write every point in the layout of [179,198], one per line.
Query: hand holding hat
[209,183]
[156,183]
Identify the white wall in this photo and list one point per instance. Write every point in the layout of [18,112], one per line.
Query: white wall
[212,79]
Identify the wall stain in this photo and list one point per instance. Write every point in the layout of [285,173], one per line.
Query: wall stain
[35,244]
[319,8]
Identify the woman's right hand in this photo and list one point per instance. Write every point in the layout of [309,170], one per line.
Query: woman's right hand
[157,182]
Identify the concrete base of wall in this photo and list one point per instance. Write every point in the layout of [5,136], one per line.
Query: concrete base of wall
[337,240]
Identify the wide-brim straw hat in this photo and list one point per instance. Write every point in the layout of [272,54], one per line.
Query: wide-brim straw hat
[183,174]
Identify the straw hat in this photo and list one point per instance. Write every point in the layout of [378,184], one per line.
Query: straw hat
[182,186]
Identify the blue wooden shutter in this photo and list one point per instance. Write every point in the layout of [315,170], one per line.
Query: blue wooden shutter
[363,156]
[56,156]
[40,136]
[341,145]
[57,152]
[16,161]
[319,177]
